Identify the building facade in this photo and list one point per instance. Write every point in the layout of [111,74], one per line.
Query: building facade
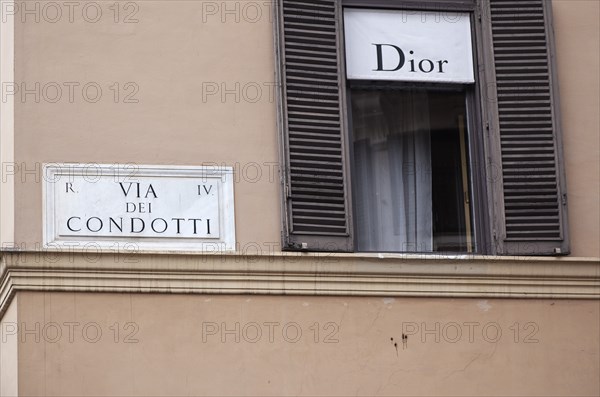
[316,197]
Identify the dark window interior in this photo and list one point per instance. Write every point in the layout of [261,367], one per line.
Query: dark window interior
[451,195]
[411,169]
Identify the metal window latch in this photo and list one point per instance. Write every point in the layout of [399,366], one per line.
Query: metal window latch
[299,246]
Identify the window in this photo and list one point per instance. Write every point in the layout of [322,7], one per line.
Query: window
[408,154]
[408,76]
[411,170]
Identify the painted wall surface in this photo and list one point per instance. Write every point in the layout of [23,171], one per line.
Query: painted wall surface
[577,30]
[203,78]
[187,83]
[204,89]
[9,359]
[211,345]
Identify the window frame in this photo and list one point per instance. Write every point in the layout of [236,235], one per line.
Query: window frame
[477,179]
[475,127]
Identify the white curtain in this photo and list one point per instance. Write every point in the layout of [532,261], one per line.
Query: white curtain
[392,163]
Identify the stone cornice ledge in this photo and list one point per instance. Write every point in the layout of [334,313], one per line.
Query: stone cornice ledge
[324,274]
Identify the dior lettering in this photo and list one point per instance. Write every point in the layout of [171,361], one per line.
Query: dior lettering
[411,61]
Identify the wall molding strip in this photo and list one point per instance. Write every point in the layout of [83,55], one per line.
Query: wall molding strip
[301,274]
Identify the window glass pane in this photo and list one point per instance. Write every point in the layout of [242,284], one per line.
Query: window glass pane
[411,170]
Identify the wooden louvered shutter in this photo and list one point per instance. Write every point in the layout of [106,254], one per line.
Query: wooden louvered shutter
[316,189]
[530,216]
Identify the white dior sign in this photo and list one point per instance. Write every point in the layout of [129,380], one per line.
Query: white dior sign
[153,207]
[408,46]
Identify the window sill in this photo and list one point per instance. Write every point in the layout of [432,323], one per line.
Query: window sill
[316,274]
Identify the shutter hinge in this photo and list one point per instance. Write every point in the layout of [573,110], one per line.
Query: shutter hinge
[487,126]
[564,199]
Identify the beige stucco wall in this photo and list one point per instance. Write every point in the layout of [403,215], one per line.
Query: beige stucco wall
[173,57]
[9,359]
[176,52]
[173,54]
[577,29]
[173,353]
